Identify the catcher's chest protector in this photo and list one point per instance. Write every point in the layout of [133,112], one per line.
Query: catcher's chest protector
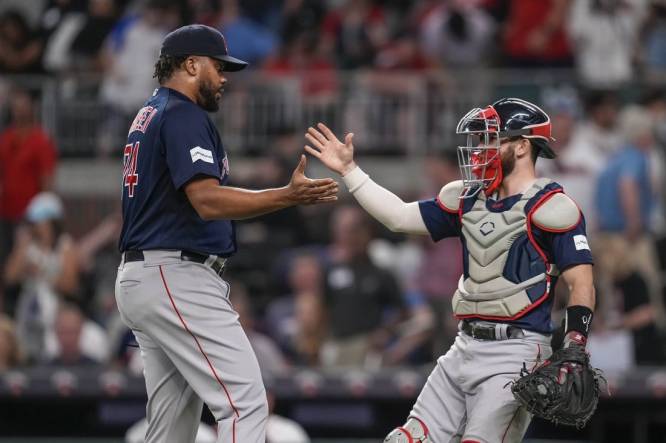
[488,238]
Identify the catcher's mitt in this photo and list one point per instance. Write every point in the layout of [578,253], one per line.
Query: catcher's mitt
[565,389]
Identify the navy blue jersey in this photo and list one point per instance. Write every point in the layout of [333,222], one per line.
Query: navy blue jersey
[562,249]
[171,141]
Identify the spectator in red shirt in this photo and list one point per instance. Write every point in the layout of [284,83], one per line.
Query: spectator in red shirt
[301,56]
[534,34]
[401,76]
[27,163]
[309,78]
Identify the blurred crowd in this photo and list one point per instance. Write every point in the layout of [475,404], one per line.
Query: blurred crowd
[102,53]
[327,287]
[609,41]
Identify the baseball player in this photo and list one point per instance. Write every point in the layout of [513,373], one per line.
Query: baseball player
[519,234]
[177,234]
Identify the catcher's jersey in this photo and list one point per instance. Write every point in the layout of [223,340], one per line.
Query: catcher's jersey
[563,249]
[171,141]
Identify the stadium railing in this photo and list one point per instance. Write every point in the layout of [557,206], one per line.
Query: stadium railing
[392,113]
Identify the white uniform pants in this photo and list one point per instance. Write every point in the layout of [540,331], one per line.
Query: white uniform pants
[194,350]
[466,397]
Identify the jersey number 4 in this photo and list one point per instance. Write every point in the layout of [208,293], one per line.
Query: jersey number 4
[130,177]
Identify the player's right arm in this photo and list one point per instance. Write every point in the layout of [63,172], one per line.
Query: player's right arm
[382,204]
[190,146]
[213,202]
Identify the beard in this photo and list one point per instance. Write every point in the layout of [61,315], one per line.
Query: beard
[508,160]
[207,98]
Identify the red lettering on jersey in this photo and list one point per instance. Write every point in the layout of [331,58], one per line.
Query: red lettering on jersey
[142,119]
[130,158]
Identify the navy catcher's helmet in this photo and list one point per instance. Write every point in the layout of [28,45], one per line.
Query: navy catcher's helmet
[521,118]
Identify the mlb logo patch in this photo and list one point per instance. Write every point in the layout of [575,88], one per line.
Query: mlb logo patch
[225,167]
[580,241]
[198,153]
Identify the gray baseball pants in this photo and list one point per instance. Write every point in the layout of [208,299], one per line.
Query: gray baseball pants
[467,397]
[194,350]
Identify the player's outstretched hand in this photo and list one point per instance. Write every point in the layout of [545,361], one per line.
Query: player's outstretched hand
[335,155]
[304,190]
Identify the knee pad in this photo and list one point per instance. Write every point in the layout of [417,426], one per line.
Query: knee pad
[414,431]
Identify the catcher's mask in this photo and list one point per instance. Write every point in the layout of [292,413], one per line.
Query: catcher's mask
[479,159]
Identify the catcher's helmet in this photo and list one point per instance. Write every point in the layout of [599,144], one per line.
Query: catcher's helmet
[506,118]
[522,118]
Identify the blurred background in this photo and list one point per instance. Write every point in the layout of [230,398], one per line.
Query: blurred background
[345,317]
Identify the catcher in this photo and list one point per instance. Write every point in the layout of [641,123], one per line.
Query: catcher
[520,234]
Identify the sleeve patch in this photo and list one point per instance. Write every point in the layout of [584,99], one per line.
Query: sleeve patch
[580,242]
[199,153]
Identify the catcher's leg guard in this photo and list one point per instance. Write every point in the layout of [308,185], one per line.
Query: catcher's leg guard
[414,431]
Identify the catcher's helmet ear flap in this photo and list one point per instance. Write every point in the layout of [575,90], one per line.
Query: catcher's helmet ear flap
[521,118]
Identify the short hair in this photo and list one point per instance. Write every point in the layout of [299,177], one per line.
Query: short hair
[166,65]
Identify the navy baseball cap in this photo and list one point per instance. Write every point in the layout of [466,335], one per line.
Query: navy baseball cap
[200,40]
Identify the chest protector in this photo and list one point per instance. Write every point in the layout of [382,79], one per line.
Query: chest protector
[489,237]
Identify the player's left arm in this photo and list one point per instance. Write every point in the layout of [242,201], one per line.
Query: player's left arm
[580,308]
[563,223]
[566,390]
[579,279]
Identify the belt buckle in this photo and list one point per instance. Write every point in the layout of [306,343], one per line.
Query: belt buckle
[468,328]
[473,332]
[480,333]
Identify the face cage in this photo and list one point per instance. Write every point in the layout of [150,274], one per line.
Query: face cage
[477,155]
